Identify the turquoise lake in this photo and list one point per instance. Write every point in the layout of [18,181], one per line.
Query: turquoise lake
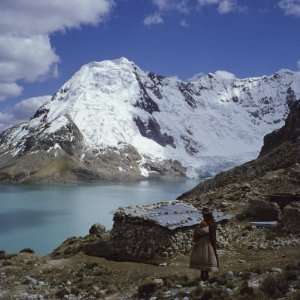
[41,217]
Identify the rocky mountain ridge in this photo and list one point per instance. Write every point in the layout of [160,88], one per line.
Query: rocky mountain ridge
[112,120]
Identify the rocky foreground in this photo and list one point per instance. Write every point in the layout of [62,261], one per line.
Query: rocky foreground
[255,264]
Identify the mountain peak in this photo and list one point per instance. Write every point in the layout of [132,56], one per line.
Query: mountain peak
[113,119]
[122,61]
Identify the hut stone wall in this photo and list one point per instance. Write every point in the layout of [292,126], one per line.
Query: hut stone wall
[137,239]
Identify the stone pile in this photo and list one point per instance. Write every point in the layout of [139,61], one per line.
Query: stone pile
[248,236]
[96,243]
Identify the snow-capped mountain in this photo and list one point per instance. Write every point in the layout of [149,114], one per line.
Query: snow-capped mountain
[113,120]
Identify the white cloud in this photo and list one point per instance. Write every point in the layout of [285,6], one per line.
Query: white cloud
[184,23]
[162,4]
[21,111]
[290,7]
[208,2]
[165,6]
[226,6]
[25,49]
[181,6]
[9,89]
[25,58]
[186,6]
[298,64]
[223,6]
[153,19]
[42,17]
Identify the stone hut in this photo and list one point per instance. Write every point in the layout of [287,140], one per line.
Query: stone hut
[155,231]
[283,207]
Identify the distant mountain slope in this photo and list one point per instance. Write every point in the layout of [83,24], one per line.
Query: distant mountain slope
[276,170]
[112,120]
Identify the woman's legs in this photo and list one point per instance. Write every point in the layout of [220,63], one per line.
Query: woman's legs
[204,275]
[207,275]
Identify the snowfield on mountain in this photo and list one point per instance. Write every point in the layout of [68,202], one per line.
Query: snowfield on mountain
[112,120]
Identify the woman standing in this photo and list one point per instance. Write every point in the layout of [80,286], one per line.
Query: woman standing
[204,254]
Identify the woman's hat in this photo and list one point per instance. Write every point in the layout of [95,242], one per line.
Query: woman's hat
[206,211]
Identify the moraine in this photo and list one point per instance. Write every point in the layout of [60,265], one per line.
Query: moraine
[41,217]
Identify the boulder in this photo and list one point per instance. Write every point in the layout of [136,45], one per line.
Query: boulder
[291,217]
[27,250]
[97,229]
[263,210]
[2,254]
[91,245]
[99,248]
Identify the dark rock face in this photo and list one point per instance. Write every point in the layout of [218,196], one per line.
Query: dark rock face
[157,82]
[171,168]
[156,77]
[69,138]
[152,130]
[185,89]
[291,97]
[145,102]
[191,146]
[41,111]
[235,99]
[290,132]
[5,136]
[107,163]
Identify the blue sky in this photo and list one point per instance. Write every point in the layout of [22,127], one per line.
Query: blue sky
[170,37]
